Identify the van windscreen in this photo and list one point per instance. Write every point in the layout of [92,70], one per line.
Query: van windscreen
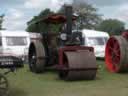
[16,41]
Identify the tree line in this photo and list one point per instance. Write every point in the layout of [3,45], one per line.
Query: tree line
[88,17]
[1,21]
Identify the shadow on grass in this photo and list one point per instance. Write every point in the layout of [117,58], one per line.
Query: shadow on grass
[99,58]
[17,92]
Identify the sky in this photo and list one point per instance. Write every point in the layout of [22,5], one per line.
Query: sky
[18,12]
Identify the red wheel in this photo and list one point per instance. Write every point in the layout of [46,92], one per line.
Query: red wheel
[115,54]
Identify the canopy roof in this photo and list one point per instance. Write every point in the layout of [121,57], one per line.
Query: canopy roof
[53,19]
[56,18]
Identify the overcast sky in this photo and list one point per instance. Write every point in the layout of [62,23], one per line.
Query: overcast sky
[18,12]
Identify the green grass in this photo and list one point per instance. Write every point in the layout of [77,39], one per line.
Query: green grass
[25,83]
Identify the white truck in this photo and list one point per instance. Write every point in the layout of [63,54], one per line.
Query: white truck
[14,43]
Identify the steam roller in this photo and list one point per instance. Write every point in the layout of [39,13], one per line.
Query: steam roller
[62,51]
[116,56]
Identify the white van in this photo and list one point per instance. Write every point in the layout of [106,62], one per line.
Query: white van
[14,43]
[96,39]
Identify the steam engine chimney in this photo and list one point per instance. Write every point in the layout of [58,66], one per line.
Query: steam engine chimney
[68,14]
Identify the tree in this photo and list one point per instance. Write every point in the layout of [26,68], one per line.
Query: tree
[87,15]
[87,18]
[112,26]
[1,21]
[41,27]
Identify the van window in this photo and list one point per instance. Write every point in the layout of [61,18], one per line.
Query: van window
[16,41]
[96,40]
[0,41]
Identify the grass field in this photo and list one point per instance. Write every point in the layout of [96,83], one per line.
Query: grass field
[25,83]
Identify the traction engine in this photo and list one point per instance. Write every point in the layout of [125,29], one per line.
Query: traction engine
[62,51]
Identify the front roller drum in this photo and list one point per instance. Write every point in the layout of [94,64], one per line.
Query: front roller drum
[79,65]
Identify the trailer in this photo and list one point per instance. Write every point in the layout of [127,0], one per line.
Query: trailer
[14,43]
[95,39]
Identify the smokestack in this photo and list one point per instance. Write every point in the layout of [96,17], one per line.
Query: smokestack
[68,14]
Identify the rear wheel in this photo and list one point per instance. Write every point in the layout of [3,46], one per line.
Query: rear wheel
[116,57]
[37,56]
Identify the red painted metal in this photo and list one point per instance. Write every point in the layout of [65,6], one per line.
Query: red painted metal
[112,55]
[56,18]
[70,48]
[125,35]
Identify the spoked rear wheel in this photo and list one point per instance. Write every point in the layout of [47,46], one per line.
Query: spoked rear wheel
[116,54]
[3,85]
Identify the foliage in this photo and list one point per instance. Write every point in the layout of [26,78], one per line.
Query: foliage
[87,15]
[87,18]
[1,21]
[41,27]
[112,26]
[34,27]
